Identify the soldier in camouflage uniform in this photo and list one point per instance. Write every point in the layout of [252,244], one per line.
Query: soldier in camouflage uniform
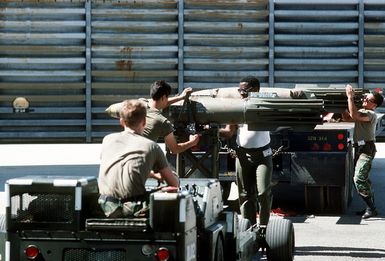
[364,142]
[157,125]
[127,159]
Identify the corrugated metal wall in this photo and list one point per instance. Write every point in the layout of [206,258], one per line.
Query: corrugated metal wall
[224,41]
[315,42]
[72,59]
[42,57]
[374,48]
[134,43]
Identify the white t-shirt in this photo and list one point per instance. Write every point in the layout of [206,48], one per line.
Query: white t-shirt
[251,139]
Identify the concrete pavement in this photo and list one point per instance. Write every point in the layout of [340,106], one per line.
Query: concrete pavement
[346,237]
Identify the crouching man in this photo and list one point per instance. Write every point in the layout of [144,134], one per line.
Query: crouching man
[127,160]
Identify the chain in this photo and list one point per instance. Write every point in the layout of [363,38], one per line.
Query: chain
[233,153]
[277,151]
[281,151]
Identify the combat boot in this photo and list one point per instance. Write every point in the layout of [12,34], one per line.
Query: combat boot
[369,213]
[371,209]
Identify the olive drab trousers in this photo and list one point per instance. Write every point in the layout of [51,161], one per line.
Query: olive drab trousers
[120,210]
[254,172]
[363,158]
[361,175]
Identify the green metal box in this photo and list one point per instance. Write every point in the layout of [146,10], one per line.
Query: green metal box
[48,202]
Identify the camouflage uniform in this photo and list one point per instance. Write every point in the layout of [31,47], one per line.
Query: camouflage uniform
[365,150]
[116,208]
[364,156]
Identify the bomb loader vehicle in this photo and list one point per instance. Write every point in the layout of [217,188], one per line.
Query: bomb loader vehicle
[52,218]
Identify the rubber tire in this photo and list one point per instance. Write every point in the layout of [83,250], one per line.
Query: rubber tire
[3,235]
[2,223]
[219,250]
[243,224]
[280,240]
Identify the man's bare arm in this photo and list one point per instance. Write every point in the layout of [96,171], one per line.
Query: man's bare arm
[346,116]
[180,97]
[175,147]
[228,131]
[156,176]
[169,176]
[353,111]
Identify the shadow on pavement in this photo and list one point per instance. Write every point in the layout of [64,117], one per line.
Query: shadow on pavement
[351,252]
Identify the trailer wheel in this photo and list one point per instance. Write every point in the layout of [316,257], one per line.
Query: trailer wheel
[2,223]
[2,236]
[280,240]
[243,223]
[219,256]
